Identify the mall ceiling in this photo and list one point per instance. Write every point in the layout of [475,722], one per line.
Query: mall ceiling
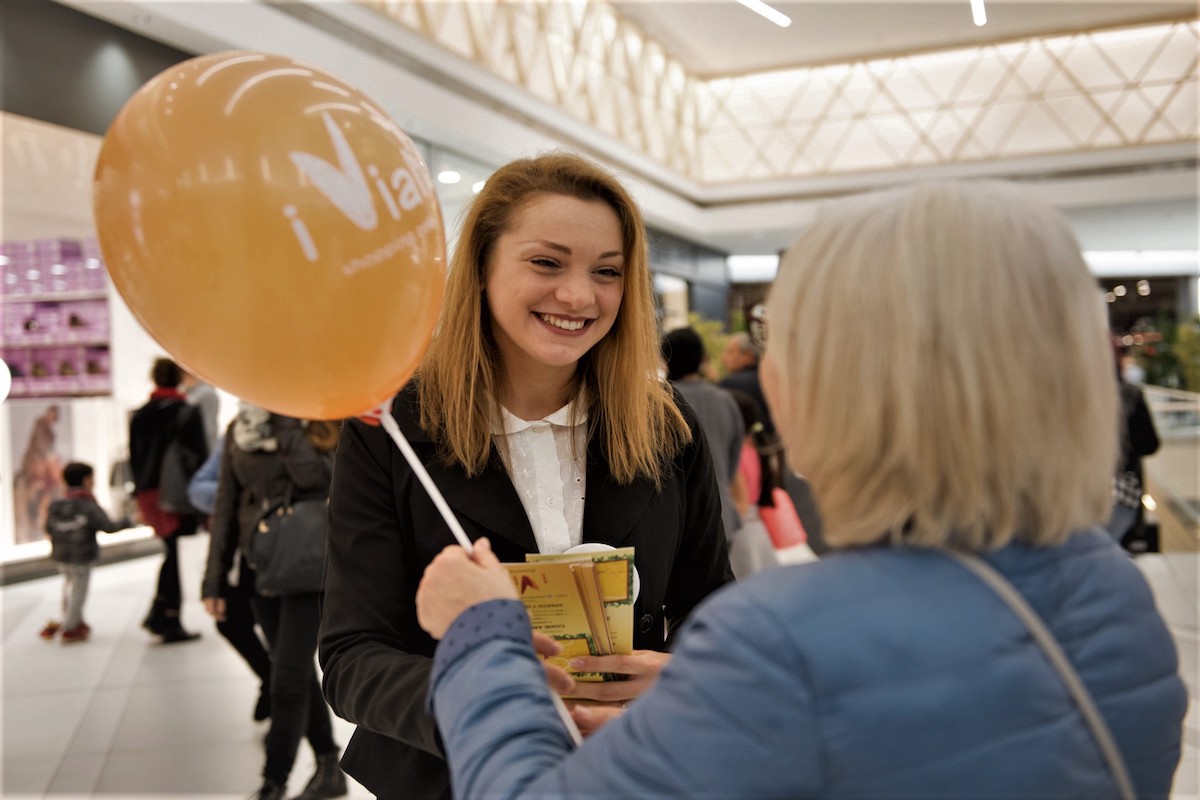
[1134,209]
[722,37]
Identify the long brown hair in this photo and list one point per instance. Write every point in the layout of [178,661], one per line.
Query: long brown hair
[461,374]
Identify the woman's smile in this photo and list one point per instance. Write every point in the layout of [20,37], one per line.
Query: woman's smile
[563,324]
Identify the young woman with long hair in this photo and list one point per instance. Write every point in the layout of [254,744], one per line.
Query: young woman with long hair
[538,412]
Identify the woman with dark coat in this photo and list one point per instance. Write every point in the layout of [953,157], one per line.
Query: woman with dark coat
[268,458]
[538,413]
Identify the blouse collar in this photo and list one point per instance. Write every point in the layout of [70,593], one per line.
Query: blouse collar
[506,422]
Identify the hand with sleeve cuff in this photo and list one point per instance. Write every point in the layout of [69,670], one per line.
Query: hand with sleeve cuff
[455,581]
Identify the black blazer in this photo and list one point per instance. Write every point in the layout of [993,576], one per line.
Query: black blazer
[384,530]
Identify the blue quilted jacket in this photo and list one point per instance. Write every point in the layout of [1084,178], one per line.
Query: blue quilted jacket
[874,674]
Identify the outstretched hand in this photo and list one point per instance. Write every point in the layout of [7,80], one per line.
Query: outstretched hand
[455,581]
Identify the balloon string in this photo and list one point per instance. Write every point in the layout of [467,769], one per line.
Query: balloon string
[389,424]
[435,494]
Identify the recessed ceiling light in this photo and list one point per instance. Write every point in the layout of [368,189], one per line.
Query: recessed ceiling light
[449,176]
[477,187]
[764,10]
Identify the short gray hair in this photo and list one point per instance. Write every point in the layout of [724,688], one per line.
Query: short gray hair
[746,344]
[945,378]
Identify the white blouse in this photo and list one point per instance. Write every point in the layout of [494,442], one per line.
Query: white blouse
[547,462]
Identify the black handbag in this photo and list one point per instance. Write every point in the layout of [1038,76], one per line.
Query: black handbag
[288,548]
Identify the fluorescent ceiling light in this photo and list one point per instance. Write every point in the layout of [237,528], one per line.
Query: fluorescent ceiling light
[773,14]
[978,13]
[752,269]
[1138,263]
[449,176]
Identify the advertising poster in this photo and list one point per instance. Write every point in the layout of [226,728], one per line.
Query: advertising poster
[40,438]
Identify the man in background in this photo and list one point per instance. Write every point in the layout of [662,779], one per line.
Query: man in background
[167,444]
[683,352]
[203,397]
[740,359]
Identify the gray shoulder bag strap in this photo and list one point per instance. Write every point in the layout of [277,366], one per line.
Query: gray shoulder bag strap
[1058,659]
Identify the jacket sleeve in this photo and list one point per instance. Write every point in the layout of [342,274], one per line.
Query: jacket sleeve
[702,561]
[223,524]
[98,520]
[712,726]
[375,675]
[735,445]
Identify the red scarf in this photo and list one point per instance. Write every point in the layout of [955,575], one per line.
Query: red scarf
[167,394]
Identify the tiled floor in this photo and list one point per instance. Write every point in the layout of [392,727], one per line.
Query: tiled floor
[121,716]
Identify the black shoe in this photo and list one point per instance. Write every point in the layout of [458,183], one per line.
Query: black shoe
[270,790]
[175,633]
[328,780]
[262,709]
[156,620]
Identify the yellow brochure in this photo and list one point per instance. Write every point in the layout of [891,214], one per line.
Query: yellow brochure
[556,607]
[615,576]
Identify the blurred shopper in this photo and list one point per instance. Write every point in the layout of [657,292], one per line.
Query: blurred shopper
[268,459]
[740,359]
[683,352]
[203,397]
[238,625]
[975,634]
[1132,372]
[1139,438]
[167,445]
[538,413]
[751,550]
[71,524]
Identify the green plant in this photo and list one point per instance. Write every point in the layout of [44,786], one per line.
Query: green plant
[715,337]
[1187,353]
[1158,354]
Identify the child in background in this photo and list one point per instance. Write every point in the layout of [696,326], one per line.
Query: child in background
[71,524]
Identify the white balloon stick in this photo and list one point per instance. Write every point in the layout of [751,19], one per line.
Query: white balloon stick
[389,424]
[567,719]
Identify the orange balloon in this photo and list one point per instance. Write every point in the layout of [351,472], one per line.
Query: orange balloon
[274,231]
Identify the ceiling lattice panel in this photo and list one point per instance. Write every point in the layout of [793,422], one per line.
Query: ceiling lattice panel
[1039,96]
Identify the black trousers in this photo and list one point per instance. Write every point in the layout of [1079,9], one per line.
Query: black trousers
[298,709]
[168,595]
[238,627]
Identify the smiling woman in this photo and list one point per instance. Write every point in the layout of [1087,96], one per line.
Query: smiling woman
[553,291]
[538,412]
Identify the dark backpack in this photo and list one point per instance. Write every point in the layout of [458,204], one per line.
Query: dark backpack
[178,466]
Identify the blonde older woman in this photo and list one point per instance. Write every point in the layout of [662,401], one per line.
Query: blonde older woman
[939,369]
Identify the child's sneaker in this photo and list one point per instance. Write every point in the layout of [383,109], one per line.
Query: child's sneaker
[77,634]
[51,630]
